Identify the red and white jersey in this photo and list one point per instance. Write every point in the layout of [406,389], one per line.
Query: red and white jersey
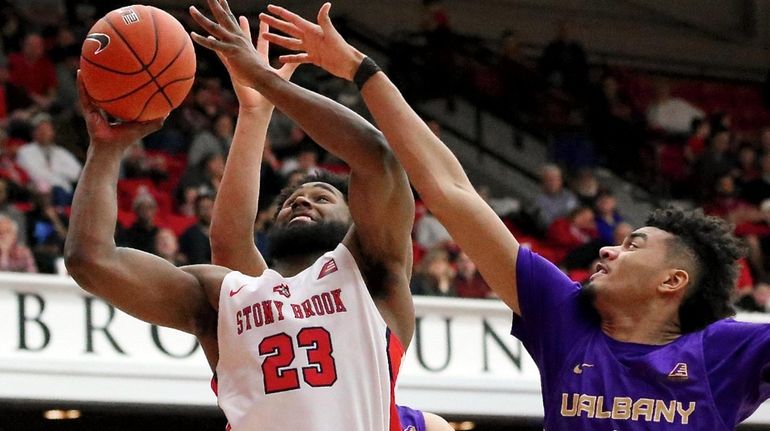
[309,352]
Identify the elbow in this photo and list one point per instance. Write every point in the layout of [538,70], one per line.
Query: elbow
[81,263]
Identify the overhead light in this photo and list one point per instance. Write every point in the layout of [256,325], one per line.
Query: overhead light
[58,414]
[463,426]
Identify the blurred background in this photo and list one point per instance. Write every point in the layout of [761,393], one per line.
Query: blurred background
[572,118]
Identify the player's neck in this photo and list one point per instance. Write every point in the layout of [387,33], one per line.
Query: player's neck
[641,325]
[290,266]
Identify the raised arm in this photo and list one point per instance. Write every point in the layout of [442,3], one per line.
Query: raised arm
[432,168]
[138,283]
[380,200]
[232,224]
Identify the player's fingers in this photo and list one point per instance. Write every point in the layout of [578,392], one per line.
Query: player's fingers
[209,42]
[263,44]
[323,16]
[291,17]
[210,26]
[288,69]
[230,16]
[295,58]
[220,14]
[285,42]
[245,26]
[281,25]
[86,104]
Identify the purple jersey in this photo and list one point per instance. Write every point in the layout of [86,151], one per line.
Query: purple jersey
[706,380]
[411,420]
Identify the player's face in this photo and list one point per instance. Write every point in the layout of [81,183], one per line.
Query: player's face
[631,272]
[312,203]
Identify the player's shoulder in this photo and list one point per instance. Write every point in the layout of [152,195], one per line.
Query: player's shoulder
[731,330]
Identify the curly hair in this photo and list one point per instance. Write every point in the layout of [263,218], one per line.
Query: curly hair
[337,181]
[707,242]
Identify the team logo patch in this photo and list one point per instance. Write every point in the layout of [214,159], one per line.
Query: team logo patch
[129,16]
[679,372]
[579,368]
[328,268]
[102,39]
[282,289]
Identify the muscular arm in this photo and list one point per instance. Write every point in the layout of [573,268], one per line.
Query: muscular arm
[232,224]
[380,200]
[138,283]
[432,168]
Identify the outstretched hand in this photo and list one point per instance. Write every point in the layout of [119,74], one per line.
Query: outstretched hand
[102,133]
[319,44]
[248,97]
[229,40]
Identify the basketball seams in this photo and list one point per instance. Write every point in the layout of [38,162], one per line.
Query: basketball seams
[160,90]
[133,52]
[155,54]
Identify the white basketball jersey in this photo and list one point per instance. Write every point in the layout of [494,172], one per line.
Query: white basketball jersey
[309,352]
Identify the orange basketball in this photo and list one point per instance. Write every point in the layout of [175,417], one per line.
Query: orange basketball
[137,63]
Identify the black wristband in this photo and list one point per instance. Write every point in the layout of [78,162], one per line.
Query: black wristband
[366,70]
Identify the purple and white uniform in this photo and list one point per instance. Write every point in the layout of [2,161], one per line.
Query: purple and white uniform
[707,380]
[411,419]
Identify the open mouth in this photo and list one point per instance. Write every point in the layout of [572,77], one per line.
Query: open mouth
[600,271]
[301,219]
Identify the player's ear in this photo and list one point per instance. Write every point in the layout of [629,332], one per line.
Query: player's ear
[677,280]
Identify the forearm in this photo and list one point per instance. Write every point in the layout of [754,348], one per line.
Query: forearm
[432,168]
[91,232]
[235,209]
[334,127]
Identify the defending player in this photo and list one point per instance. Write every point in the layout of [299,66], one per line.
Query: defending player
[645,347]
[232,229]
[307,344]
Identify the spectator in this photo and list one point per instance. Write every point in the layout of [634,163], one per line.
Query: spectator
[434,275]
[750,223]
[519,79]
[14,256]
[468,283]
[440,52]
[758,190]
[669,114]
[9,210]
[167,247]
[586,187]
[284,135]
[429,233]
[46,230]
[715,161]
[554,201]
[141,235]
[137,164]
[14,100]
[607,217]
[33,71]
[216,141]
[696,143]
[203,178]
[575,238]
[17,179]
[746,170]
[194,242]
[757,300]
[564,64]
[48,163]
[305,161]
[615,125]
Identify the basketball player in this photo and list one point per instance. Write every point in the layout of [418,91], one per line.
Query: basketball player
[231,228]
[313,343]
[646,346]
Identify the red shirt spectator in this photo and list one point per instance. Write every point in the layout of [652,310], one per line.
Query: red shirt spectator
[468,283]
[31,70]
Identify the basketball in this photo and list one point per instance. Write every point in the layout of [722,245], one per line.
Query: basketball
[137,63]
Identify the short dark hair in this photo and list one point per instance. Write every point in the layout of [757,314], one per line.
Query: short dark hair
[709,243]
[321,176]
